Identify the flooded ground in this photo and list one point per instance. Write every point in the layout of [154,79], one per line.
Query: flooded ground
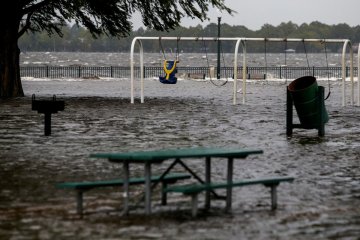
[322,203]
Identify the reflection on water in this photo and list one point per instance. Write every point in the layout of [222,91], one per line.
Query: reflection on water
[323,202]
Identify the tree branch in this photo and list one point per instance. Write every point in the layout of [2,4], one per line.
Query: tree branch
[35,7]
[26,26]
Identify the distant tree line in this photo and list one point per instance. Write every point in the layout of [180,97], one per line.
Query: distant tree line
[79,39]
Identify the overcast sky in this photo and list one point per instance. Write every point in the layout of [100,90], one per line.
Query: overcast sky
[255,13]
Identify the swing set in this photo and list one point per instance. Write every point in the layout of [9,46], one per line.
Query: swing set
[170,67]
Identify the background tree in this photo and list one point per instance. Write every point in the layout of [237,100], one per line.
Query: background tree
[76,38]
[110,17]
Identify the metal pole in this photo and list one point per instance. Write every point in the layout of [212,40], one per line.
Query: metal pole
[141,72]
[343,75]
[126,187]
[358,100]
[207,181]
[218,50]
[244,71]
[236,70]
[148,188]
[229,181]
[47,123]
[289,113]
[132,70]
[351,71]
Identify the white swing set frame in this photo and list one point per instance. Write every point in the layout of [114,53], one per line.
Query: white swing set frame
[242,41]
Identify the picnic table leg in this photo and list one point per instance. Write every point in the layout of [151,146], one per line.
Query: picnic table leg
[229,181]
[147,188]
[194,204]
[207,181]
[273,197]
[163,194]
[164,185]
[196,176]
[79,202]
[126,187]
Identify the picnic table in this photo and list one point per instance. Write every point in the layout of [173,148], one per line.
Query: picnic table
[177,156]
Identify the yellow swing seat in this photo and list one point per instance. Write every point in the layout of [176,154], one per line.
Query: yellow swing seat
[170,71]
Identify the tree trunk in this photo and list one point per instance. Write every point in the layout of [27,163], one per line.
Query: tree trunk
[10,81]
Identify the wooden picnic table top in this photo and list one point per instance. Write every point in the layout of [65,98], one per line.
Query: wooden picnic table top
[161,155]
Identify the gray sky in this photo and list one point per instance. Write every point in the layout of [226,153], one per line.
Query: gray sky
[255,13]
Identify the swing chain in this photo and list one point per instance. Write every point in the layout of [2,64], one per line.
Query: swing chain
[306,55]
[177,48]
[223,58]
[327,66]
[206,55]
[208,64]
[265,57]
[162,49]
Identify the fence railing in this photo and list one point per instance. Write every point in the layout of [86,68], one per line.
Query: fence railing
[228,72]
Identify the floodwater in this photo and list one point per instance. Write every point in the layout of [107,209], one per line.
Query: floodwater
[322,203]
[186,59]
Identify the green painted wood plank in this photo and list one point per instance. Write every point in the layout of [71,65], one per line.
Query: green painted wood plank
[196,188]
[118,182]
[160,155]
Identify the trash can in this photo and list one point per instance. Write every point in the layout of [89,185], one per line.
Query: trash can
[304,92]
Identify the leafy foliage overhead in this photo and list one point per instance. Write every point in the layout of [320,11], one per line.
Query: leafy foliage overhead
[112,17]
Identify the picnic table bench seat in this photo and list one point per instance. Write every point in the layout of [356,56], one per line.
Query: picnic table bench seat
[81,187]
[194,189]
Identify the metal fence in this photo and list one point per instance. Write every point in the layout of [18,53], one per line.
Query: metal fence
[149,72]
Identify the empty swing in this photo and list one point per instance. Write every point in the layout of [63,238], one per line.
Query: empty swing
[327,66]
[218,82]
[169,66]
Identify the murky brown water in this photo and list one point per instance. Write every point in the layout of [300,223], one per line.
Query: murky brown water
[323,202]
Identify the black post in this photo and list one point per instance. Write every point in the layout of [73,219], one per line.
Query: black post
[218,51]
[289,113]
[47,123]
[280,72]
[47,108]
[321,129]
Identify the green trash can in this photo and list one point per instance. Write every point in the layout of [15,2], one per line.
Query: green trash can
[305,95]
